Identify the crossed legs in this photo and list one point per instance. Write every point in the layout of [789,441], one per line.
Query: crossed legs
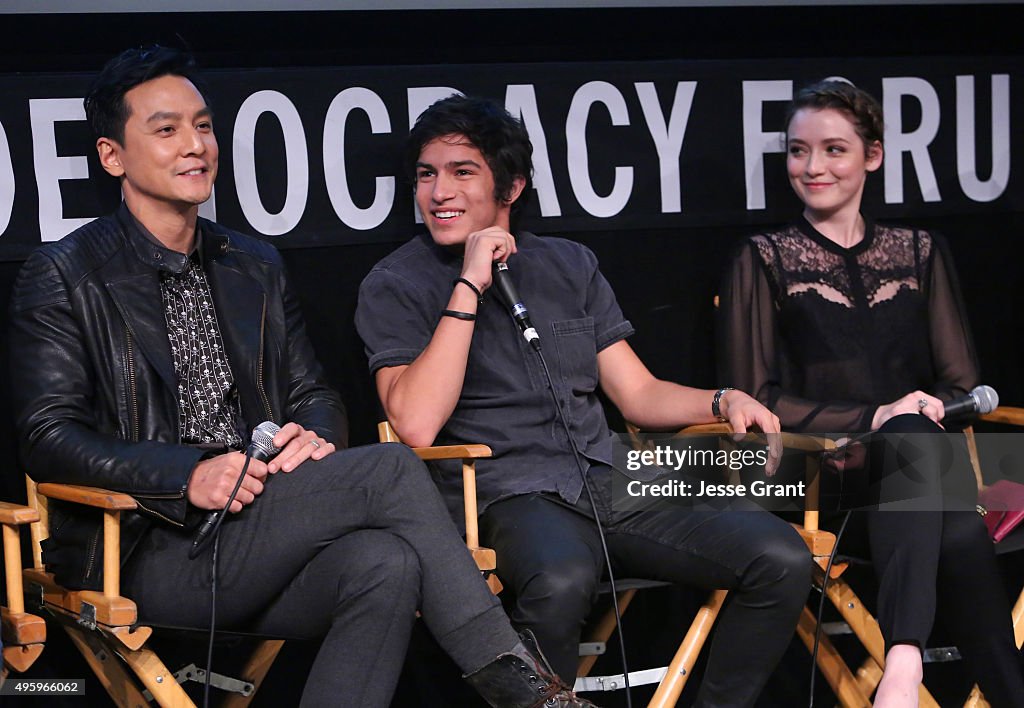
[347,549]
[932,558]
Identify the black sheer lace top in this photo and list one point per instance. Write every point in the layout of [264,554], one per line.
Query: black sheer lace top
[823,334]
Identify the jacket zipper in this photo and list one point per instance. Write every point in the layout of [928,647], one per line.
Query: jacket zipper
[259,363]
[157,513]
[132,390]
[92,552]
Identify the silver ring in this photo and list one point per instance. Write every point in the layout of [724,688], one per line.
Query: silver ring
[922,403]
[315,444]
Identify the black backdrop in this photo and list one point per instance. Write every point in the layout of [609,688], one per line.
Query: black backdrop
[665,277]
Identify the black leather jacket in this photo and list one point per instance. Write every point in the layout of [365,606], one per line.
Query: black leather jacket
[93,381]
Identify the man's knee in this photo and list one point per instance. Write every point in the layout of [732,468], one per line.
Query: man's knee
[559,593]
[783,563]
[384,466]
[380,566]
[401,462]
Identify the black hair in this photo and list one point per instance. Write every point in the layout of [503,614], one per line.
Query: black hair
[491,129]
[858,105]
[105,106]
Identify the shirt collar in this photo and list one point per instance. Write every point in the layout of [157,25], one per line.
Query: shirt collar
[153,253]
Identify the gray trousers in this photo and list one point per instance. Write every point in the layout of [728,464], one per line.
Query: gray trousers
[347,548]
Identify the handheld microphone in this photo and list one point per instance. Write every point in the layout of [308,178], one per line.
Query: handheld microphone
[261,448]
[981,400]
[503,281]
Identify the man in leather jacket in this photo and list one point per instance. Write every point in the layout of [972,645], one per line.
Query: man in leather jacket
[147,345]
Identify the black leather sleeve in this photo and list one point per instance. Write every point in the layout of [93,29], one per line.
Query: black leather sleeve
[59,401]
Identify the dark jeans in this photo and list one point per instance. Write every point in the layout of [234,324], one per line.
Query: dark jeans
[346,549]
[549,556]
[941,560]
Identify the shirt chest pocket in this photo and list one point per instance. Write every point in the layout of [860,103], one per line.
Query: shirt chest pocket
[577,354]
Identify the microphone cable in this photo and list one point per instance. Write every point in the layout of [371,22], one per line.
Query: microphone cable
[215,534]
[597,520]
[521,317]
[821,605]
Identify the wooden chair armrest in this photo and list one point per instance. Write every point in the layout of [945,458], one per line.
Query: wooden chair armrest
[1005,414]
[452,452]
[807,442]
[435,452]
[16,514]
[89,496]
[707,429]
[484,557]
[792,441]
[112,503]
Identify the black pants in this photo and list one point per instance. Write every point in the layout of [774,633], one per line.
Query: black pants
[346,549]
[549,556]
[930,558]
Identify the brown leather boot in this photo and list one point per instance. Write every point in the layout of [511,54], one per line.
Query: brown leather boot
[522,678]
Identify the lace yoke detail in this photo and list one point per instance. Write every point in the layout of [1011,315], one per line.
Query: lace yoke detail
[798,265]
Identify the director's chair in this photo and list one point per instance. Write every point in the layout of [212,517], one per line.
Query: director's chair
[1003,415]
[104,625]
[469,454]
[671,679]
[23,634]
[819,542]
[864,626]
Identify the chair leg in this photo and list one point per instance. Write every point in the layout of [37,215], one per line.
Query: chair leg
[866,628]
[160,681]
[686,656]
[1017,616]
[603,631]
[846,688]
[254,671]
[977,699]
[108,669]
[869,675]
[167,692]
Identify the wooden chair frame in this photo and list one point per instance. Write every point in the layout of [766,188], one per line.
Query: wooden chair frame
[23,634]
[1005,415]
[865,627]
[469,454]
[857,691]
[103,625]
[818,541]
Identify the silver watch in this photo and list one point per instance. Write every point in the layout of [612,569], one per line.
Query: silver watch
[716,402]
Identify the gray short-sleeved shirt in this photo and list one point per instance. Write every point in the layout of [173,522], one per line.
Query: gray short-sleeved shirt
[505,402]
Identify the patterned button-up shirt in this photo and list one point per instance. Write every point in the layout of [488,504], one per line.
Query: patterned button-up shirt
[209,410]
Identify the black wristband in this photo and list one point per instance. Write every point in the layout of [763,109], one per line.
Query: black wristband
[468,284]
[468,316]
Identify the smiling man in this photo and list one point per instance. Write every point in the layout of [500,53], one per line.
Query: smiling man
[147,345]
[451,366]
